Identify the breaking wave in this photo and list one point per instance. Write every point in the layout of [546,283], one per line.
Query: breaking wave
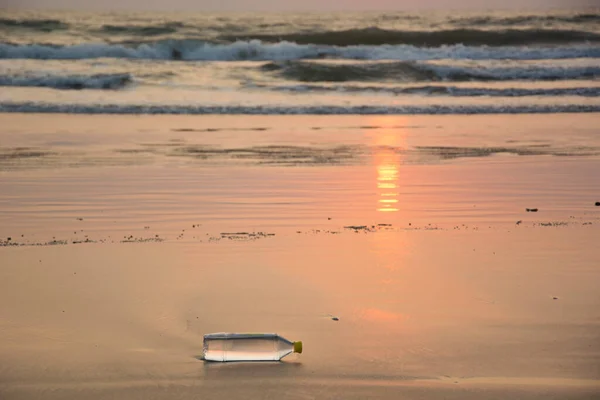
[469,37]
[31,107]
[197,50]
[305,71]
[77,82]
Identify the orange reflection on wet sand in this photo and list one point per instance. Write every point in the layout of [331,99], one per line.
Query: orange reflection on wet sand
[387,160]
[379,315]
[387,180]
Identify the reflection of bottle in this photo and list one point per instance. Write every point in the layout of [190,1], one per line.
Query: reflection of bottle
[247,347]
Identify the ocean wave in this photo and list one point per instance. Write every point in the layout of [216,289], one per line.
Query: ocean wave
[32,107]
[42,25]
[469,37]
[525,19]
[318,72]
[77,82]
[142,30]
[438,90]
[197,50]
[305,71]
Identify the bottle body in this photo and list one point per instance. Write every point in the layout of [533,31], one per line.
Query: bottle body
[247,347]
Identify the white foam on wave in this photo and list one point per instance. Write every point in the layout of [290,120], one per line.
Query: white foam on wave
[195,50]
[32,107]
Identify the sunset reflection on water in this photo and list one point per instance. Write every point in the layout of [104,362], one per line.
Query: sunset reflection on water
[387,179]
[387,162]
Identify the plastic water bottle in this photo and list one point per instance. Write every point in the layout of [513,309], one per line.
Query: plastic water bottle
[247,347]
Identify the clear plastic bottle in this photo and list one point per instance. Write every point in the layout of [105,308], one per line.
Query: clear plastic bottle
[247,347]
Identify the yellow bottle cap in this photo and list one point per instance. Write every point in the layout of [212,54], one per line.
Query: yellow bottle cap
[297,347]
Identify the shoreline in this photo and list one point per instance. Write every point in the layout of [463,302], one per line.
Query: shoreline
[413,232]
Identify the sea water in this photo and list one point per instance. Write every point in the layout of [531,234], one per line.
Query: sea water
[332,63]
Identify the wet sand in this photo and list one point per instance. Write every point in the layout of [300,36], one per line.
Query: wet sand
[131,237]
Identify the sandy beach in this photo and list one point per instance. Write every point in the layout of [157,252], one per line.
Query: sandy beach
[126,238]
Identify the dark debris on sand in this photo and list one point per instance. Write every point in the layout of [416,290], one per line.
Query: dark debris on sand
[554,223]
[242,236]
